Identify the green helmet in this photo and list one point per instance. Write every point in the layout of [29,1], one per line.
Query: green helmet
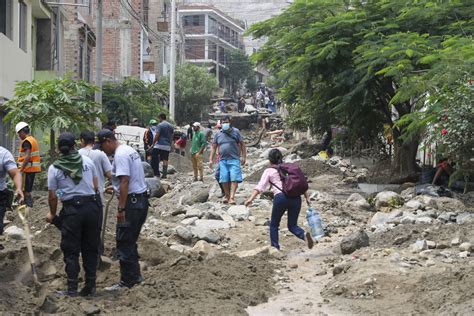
[153,122]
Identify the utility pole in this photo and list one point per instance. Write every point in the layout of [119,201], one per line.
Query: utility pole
[173,60]
[98,59]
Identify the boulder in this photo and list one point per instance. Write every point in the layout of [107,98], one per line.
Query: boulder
[414,205]
[304,149]
[292,158]
[196,197]
[147,169]
[381,218]
[465,218]
[184,233]
[239,212]
[193,213]
[155,188]
[264,155]
[446,217]
[354,241]
[228,219]
[189,221]
[355,197]
[387,199]
[465,246]
[15,232]
[450,205]
[211,224]
[171,169]
[408,193]
[419,245]
[206,234]
[203,248]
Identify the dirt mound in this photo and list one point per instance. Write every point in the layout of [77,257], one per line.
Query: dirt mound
[311,168]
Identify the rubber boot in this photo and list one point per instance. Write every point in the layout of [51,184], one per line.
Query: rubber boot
[165,172]
[89,289]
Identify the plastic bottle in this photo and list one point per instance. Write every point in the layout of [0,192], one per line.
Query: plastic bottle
[314,222]
[59,193]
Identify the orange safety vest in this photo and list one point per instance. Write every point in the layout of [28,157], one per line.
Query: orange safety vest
[35,160]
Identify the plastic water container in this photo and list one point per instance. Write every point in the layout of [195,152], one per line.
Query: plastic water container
[59,193]
[314,222]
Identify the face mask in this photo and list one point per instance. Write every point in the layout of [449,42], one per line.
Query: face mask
[225,126]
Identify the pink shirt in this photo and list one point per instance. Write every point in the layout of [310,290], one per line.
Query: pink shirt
[269,175]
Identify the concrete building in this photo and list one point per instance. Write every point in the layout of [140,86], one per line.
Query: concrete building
[27,50]
[209,34]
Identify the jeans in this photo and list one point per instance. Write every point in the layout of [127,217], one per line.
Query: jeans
[126,237]
[3,208]
[282,203]
[80,227]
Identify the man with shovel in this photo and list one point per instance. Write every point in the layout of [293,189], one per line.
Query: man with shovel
[8,166]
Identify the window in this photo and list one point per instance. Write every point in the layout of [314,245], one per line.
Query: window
[23,16]
[6,18]
[146,9]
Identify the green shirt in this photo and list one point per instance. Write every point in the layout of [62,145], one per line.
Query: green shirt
[199,141]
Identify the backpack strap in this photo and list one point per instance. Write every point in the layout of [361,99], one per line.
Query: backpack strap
[281,178]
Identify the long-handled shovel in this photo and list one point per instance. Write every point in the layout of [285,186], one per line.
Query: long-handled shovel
[41,289]
[102,260]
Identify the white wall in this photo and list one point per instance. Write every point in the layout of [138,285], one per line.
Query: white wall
[15,63]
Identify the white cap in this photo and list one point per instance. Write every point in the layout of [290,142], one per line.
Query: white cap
[20,126]
[196,124]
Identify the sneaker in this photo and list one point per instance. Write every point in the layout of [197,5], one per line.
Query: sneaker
[221,195]
[87,291]
[116,287]
[309,240]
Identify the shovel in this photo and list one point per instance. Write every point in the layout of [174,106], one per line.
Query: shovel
[41,289]
[102,261]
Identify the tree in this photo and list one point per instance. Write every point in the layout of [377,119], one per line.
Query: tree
[57,104]
[251,84]
[364,64]
[194,89]
[133,98]
[239,68]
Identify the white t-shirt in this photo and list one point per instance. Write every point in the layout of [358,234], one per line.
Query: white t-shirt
[101,162]
[57,180]
[127,162]
[7,163]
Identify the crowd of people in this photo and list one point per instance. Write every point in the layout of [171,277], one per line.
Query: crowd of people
[80,178]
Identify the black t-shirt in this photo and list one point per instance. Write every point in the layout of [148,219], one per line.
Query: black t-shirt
[26,145]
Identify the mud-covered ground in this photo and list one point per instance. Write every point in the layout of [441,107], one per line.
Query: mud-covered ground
[237,272]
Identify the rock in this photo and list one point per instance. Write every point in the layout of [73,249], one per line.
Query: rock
[379,218]
[408,193]
[423,220]
[465,218]
[89,309]
[211,224]
[178,210]
[446,217]
[408,219]
[206,234]
[354,241]
[193,213]
[15,232]
[262,222]
[338,269]
[464,254]
[189,221]
[430,263]
[305,149]
[147,169]
[419,246]
[431,244]
[456,241]
[212,215]
[264,155]
[414,205]
[253,252]
[387,199]
[155,188]
[203,248]
[171,169]
[50,305]
[47,271]
[370,282]
[401,239]
[358,201]
[228,219]
[442,245]
[427,201]
[450,205]
[184,233]
[180,248]
[292,158]
[293,266]
[196,197]
[465,246]
[239,212]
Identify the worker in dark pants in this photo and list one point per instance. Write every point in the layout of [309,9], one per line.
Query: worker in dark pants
[73,179]
[128,181]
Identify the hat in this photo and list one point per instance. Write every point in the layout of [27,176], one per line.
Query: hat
[20,126]
[196,124]
[66,139]
[103,135]
[153,122]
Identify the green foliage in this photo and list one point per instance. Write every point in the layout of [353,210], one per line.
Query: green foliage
[364,64]
[58,104]
[239,68]
[395,202]
[194,89]
[133,98]
[251,84]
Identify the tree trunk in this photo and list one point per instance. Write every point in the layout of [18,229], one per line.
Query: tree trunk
[52,144]
[404,162]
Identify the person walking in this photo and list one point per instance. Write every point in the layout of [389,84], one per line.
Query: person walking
[29,160]
[198,145]
[162,145]
[241,105]
[100,160]
[281,202]
[233,153]
[8,166]
[217,173]
[128,179]
[148,138]
[73,179]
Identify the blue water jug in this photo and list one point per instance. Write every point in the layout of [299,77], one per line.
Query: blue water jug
[314,222]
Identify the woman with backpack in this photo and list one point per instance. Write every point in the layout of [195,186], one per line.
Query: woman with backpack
[281,202]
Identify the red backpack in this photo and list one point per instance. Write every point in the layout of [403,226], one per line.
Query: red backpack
[293,180]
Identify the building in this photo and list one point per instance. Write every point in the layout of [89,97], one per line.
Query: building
[28,48]
[209,34]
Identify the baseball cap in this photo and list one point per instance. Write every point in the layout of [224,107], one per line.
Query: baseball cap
[196,124]
[66,140]
[103,135]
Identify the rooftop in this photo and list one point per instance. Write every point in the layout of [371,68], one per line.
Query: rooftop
[207,7]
